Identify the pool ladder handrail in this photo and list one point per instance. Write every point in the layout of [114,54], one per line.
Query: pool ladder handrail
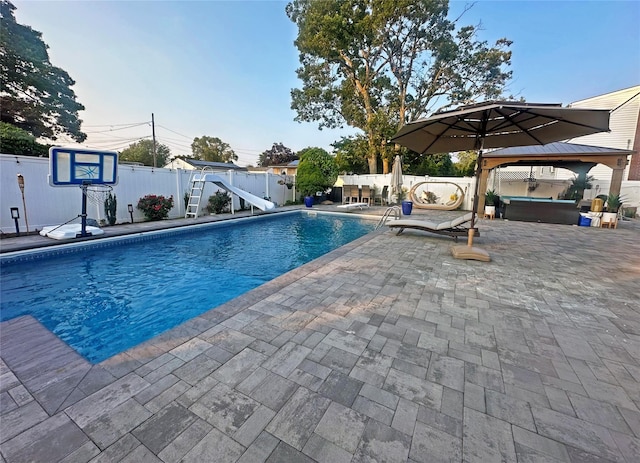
[395,210]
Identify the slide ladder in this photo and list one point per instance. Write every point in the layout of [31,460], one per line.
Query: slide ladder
[195,195]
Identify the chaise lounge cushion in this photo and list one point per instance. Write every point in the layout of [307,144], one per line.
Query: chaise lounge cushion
[452,228]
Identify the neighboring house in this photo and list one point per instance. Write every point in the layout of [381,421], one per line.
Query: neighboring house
[624,134]
[625,129]
[289,169]
[191,164]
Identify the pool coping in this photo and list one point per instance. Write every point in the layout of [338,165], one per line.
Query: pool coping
[522,368]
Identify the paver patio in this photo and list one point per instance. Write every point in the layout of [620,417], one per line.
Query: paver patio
[385,350]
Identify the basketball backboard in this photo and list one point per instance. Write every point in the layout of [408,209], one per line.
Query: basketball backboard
[74,166]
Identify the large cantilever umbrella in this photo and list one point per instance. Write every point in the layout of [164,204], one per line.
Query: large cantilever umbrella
[498,124]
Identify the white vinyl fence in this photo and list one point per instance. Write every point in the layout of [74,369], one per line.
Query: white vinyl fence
[48,205]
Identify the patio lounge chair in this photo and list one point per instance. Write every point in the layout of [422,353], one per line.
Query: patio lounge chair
[353,206]
[453,228]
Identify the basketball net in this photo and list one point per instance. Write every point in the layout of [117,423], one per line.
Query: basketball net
[96,194]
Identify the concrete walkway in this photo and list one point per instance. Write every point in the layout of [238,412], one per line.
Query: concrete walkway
[385,350]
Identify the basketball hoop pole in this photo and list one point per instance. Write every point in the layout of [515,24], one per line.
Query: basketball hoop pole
[83,215]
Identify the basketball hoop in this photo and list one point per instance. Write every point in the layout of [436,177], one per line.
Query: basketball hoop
[96,194]
[95,171]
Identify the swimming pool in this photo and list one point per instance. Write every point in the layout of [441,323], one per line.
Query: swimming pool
[109,296]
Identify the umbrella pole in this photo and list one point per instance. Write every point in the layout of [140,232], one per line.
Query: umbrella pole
[474,207]
[468,251]
[470,237]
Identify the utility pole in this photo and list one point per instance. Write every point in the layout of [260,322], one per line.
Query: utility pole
[153,131]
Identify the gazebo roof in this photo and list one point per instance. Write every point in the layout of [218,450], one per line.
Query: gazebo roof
[555,150]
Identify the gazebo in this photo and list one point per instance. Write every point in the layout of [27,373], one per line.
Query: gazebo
[577,158]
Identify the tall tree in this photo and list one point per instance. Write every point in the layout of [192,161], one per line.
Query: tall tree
[435,165]
[34,94]
[142,151]
[351,154]
[277,155]
[466,164]
[375,64]
[14,140]
[212,149]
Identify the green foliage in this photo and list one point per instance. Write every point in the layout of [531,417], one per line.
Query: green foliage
[374,64]
[219,202]
[276,156]
[185,198]
[435,165]
[212,149]
[14,140]
[614,202]
[110,208]
[466,164]
[576,189]
[401,195]
[35,95]
[142,151]
[490,197]
[317,171]
[351,154]
[155,207]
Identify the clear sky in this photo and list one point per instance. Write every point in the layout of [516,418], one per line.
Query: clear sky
[225,68]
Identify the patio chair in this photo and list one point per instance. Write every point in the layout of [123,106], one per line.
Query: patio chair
[346,194]
[382,197]
[354,197]
[365,196]
[453,228]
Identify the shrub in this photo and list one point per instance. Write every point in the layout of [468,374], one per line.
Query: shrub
[317,171]
[219,202]
[110,208]
[185,198]
[155,207]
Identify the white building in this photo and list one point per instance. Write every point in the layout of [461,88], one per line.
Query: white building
[624,127]
[191,164]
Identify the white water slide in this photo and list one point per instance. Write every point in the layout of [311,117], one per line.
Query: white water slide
[198,186]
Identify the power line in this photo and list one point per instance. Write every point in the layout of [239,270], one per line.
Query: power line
[173,131]
[120,128]
[118,125]
[113,137]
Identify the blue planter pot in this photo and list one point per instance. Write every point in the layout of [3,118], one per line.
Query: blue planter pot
[407,207]
[308,201]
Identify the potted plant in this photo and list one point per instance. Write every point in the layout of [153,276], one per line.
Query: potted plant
[490,199]
[317,172]
[614,201]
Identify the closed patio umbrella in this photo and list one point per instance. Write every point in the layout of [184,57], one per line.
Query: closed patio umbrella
[498,124]
[396,176]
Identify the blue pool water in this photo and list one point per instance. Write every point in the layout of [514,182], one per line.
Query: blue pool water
[103,300]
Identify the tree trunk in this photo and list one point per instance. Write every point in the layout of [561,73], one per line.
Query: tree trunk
[385,166]
[372,157]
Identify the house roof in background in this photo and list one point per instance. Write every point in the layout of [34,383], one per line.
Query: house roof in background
[216,165]
[290,164]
